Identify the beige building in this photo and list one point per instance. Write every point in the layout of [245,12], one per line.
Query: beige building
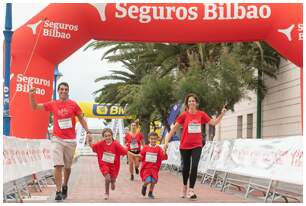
[281,109]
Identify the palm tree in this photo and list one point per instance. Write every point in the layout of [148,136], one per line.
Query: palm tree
[218,72]
[125,83]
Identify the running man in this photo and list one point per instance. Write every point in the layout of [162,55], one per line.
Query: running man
[64,136]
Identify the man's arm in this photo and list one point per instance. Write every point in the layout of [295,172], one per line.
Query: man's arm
[83,123]
[33,101]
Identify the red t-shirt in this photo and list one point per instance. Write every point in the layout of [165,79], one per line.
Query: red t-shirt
[109,157]
[150,167]
[191,133]
[133,142]
[63,117]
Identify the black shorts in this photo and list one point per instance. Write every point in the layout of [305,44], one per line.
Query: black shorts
[135,151]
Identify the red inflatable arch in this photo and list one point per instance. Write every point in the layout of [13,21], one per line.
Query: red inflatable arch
[60,29]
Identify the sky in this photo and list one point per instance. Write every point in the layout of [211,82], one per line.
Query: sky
[85,64]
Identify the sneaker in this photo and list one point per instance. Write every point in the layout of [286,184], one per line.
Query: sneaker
[106,196]
[184,193]
[137,171]
[192,196]
[151,196]
[58,196]
[132,177]
[64,192]
[143,190]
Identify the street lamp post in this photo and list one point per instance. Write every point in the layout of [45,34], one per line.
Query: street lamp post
[57,76]
[6,89]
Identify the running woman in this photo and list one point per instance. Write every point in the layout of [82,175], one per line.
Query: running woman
[191,140]
[134,141]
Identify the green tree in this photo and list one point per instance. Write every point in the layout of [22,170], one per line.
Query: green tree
[125,83]
[159,74]
[159,93]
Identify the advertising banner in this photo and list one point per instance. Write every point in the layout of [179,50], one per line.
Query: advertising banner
[23,157]
[276,158]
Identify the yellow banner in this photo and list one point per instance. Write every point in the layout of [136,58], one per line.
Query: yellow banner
[103,110]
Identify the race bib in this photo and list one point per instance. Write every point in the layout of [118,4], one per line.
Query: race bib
[194,128]
[65,123]
[151,157]
[134,144]
[108,157]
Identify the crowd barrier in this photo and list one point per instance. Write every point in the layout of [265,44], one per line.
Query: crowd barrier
[278,158]
[23,157]
[272,166]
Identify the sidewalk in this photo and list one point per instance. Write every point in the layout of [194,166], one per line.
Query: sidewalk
[87,185]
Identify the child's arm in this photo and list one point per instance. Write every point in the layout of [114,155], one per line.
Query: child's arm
[142,140]
[142,154]
[89,140]
[123,150]
[126,151]
[126,140]
[164,154]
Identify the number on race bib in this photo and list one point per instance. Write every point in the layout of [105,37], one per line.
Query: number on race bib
[65,123]
[108,157]
[194,128]
[151,157]
[134,145]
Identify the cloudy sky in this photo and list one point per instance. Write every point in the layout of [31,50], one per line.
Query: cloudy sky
[80,69]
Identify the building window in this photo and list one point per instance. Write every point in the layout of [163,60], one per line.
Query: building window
[239,126]
[250,126]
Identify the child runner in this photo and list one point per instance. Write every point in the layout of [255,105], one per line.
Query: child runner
[108,152]
[151,157]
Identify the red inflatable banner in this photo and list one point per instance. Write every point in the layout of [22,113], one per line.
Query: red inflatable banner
[60,29]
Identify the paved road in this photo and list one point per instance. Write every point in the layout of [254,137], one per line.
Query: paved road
[87,185]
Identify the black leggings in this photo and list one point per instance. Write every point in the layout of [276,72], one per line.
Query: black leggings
[193,155]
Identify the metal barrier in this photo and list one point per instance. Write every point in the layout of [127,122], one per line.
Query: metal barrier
[17,190]
[223,165]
